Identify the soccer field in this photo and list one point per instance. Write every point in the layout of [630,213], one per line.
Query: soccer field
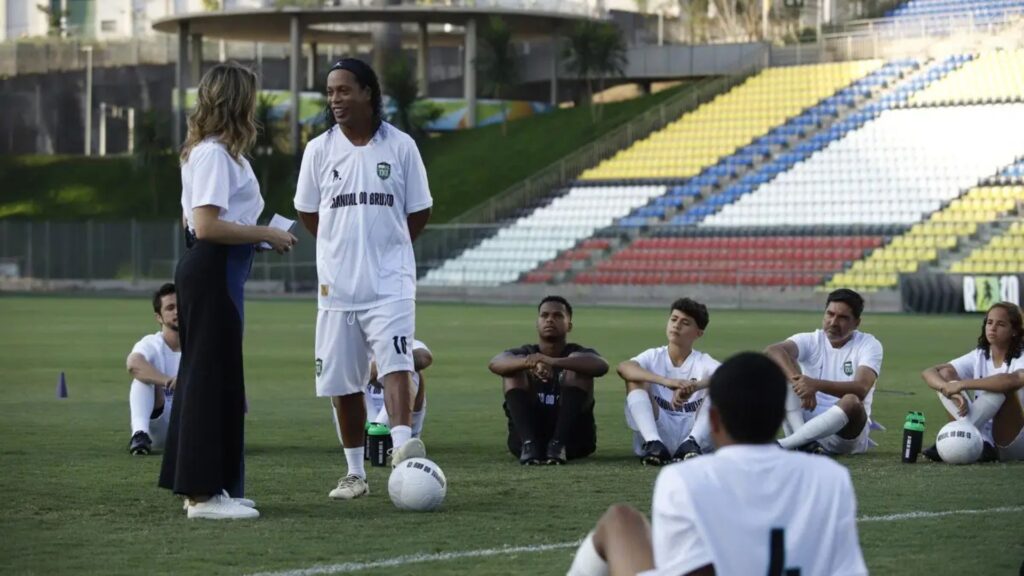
[76,502]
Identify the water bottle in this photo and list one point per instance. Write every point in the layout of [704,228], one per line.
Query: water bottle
[378,440]
[913,434]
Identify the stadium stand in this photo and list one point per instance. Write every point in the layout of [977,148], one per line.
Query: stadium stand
[992,77]
[697,140]
[541,235]
[980,11]
[1001,255]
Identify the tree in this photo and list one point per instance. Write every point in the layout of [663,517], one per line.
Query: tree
[596,50]
[498,65]
[53,18]
[151,150]
[400,84]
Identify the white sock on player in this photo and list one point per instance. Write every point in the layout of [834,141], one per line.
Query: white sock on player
[400,435]
[701,432]
[382,417]
[587,561]
[356,465]
[825,424]
[984,407]
[639,403]
[794,413]
[417,420]
[141,399]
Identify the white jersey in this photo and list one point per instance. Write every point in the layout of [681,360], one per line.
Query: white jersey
[818,359]
[156,351]
[211,177]
[697,366]
[363,194]
[974,365]
[747,506]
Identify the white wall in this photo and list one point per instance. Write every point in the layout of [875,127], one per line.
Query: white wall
[21,19]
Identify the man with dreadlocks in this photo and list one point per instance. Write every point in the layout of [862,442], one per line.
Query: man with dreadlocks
[986,385]
[363,193]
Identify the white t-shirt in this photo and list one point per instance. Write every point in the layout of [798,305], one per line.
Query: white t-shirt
[722,509]
[363,194]
[974,365]
[211,177]
[156,351]
[818,359]
[697,366]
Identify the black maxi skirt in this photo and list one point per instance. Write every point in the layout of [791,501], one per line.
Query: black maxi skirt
[205,438]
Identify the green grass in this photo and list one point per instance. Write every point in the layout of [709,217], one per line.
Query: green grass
[464,169]
[75,502]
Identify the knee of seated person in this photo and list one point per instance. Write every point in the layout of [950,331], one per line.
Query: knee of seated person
[517,380]
[850,403]
[622,514]
[571,378]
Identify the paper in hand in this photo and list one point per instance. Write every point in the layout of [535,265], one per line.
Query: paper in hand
[281,223]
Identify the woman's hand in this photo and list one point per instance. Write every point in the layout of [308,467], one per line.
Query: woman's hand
[280,240]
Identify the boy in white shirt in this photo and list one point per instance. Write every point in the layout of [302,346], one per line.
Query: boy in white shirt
[666,390]
[832,373]
[153,364]
[749,508]
[986,385]
[362,193]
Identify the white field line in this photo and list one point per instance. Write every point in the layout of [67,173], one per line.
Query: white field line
[349,567]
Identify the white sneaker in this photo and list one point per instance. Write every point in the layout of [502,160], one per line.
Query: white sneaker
[220,507]
[350,487]
[243,501]
[414,448]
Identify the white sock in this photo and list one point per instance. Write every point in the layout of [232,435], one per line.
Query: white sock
[794,413]
[141,400]
[354,457]
[984,407]
[701,432]
[639,404]
[587,561]
[400,435]
[825,424]
[417,420]
[382,417]
[950,406]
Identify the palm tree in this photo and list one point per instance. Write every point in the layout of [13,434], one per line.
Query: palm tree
[596,50]
[498,65]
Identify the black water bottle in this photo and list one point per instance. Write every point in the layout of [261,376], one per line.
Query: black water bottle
[913,434]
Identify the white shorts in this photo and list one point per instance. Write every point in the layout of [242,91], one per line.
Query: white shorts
[672,428]
[346,340]
[836,444]
[1015,450]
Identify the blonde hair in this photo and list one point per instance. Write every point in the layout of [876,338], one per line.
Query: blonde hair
[225,109]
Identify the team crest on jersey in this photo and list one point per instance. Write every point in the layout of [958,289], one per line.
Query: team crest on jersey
[319,367]
[383,170]
[848,368]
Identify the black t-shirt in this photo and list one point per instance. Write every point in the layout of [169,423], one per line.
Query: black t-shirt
[549,392]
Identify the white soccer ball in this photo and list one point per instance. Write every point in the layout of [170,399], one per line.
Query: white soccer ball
[959,442]
[417,484]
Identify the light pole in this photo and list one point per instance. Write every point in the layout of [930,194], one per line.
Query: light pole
[88,100]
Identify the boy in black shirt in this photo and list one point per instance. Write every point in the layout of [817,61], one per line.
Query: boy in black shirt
[549,391]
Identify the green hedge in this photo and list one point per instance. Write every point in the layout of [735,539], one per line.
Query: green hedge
[464,168]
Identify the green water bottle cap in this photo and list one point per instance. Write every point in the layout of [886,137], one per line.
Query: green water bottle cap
[378,429]
[915,416]
[915,425]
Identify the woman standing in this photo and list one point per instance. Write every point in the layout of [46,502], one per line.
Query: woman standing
[221,201]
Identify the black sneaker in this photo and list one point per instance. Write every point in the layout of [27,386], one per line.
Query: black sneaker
[556,453]
[688,449]
[988,453]
[813,447]
[141,444]
[655,454]
[530,454]
[932,453]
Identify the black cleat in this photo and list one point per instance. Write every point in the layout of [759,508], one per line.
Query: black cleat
[556,453]
[988,453]
[813,447]
[141,444]
[932,453]
[655,454]
[530,454]
[688,449]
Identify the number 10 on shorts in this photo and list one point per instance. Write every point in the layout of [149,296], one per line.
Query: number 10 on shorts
[401,344]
